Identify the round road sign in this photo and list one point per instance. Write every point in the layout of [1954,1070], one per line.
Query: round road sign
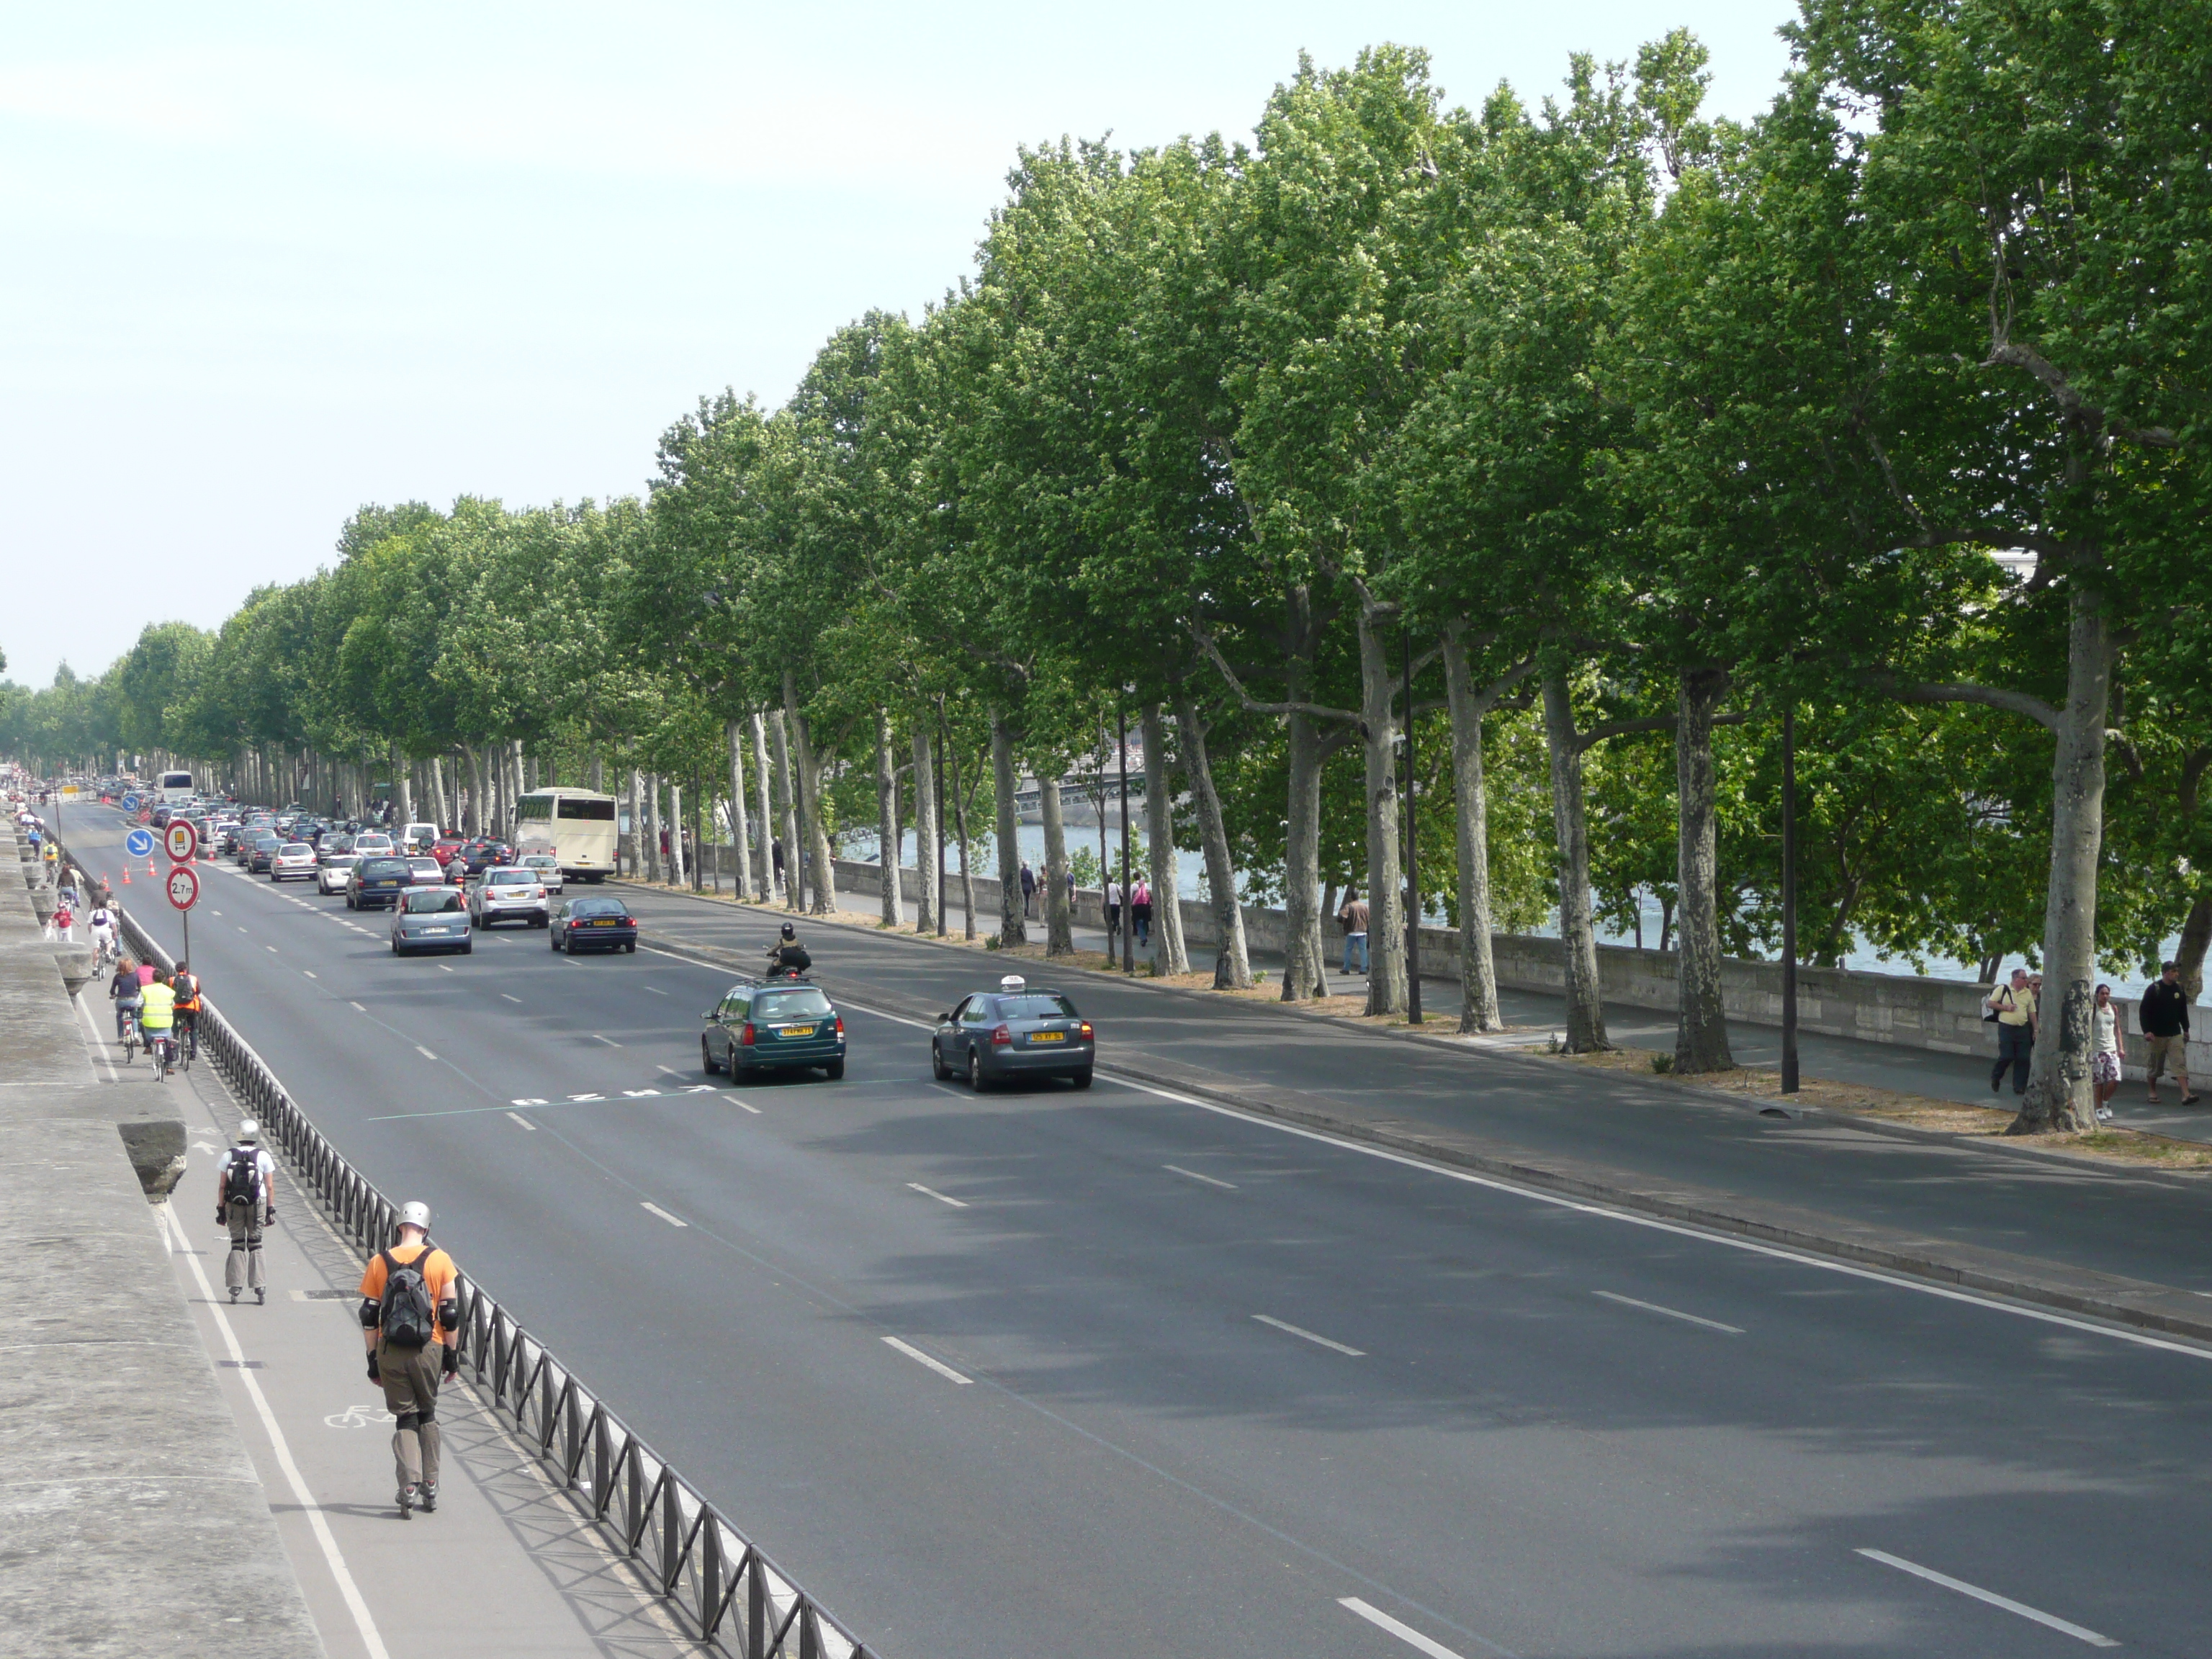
[184,886]
[139,843]
[182,840]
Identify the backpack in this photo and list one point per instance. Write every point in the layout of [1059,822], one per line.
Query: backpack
[240,1176]
[408,1319]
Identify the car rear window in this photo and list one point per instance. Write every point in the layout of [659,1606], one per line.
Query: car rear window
[432,903]
[1036,1006]
[789,1005]
[603,907]
[373,868]
[511,877]
[299,846]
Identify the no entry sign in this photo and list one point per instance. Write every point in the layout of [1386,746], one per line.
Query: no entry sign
[182,840]
[184,886]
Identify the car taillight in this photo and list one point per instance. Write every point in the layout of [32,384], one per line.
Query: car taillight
[1084,1029]
[747,1036]
[841,1025]
[1001,1037]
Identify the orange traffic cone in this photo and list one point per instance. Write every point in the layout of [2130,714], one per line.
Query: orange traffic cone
[126,875]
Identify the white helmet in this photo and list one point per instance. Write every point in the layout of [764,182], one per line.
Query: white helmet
[249,1132]
[414,1213]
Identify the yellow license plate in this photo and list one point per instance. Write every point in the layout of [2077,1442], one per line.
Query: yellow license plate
[1048,1037]
[794,1030]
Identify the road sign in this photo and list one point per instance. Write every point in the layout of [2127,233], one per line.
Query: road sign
[184,886]
[182,840]
[139,843]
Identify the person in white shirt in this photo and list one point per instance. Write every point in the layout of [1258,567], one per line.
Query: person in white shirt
[1113,911]
[244,1201]
[2104,1057]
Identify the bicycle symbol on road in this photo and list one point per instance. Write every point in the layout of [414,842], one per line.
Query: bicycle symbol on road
[359,1416]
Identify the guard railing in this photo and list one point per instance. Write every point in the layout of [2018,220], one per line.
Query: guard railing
[717,1579]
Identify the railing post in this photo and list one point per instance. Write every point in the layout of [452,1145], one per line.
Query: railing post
[710,1573]
[756,1606]
[671,1532]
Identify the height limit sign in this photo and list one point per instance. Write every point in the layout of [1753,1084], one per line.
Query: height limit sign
[184,886]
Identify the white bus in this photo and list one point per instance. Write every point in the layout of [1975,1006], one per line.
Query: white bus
[576,826]
[176,787]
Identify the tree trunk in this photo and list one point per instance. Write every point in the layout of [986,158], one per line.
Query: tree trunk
[2195,936]
[1305,968]
[887,824]
[1585,994]
[2058,1097]
[1168,954]
[967,852]
[1478,971]
[793,860]
[1232,968]
[634,842]
[654,860]
[1011,929]
[677,863]
[1059,929]
[925,854]
[400,775]
[808,773]
[438,792]
[1701,1041]
[595,776]
[1386,930]
[740,829]
[764,877]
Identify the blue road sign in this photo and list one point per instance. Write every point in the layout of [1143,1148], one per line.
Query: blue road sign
[139,843]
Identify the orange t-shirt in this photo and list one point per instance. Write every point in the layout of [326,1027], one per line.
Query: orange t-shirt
[438,1276]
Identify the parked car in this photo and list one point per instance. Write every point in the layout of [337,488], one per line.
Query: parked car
[1013,1032]
[593,923]
[770,1025]
[431,918]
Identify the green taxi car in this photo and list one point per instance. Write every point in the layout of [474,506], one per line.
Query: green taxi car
[773,1025]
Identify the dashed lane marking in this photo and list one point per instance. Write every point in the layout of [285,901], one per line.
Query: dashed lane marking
[1671,1313]
[1300,1330]
[1177,1169]
[1404,1633]
[425,1053]
[921,1359]
[673,1221]
[2051,1621]
[524,1121]
[932,1192]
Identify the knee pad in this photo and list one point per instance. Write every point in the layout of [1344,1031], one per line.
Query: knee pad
[409,1420]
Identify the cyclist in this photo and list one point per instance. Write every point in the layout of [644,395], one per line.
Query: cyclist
[185,986]
[158,1018]
[123,991]
[101,925]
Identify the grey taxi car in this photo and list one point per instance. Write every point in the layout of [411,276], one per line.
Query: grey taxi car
[431,918]
[1016,1031]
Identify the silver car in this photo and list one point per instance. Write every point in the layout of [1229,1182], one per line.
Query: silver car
[430,919]
[294,859]
[548,870]
[509,893]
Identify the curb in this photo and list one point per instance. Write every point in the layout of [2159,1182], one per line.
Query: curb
[2139,1303]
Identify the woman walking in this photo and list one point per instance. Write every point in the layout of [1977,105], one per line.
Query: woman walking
[2104,1052]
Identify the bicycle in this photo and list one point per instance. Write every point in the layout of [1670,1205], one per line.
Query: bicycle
[187,1039]
[131,1037]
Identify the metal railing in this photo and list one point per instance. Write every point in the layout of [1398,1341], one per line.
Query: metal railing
[723,1588]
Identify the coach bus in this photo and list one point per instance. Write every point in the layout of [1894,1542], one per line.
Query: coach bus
[576,826]
[176,787]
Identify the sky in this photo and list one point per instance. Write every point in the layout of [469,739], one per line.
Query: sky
[266,263]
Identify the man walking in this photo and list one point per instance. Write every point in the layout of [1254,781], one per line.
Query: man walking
[1028,890]
[2164,1015]
[2014,1007]
[246,1202]
[1351,915]
[410,1320]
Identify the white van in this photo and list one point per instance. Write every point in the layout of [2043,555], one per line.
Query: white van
[423,835]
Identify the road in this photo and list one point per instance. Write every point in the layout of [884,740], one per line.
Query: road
[1052,1373]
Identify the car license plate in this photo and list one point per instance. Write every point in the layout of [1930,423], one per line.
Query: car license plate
[1048,1037]
[794,1030]
[606,924]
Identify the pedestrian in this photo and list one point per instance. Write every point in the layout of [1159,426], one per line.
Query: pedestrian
[2165,1019]
[1141,911]
[1113,912]
[1351,916]
[1069,880]
[2014,1008]
[410,1321]
[246,1202]
[2104,1051]
[775,857]
[1028,890]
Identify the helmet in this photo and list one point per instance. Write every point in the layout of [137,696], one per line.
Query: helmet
[249,1132]
[787,931]
[414,1213]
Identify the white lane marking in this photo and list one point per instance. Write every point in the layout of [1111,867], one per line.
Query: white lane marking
[443,969]
[517,1001]
[1177,1169]
[321,1527]
[668,1071]
[214,912]
[921,1359]
[524,1121]
[530,1100]
[1671,1313]
[308,972]
[747,1105]
[1804,1259]
[356,1007]
[271,949]
[932,1192]
[656,990]
[425,1053]
[610,1042]
[947,1089]
[673,1221]
[1405,1633]
[1300,1330]
[2050,1620]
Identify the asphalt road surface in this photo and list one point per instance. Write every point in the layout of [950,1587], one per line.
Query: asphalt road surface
[1059,1373]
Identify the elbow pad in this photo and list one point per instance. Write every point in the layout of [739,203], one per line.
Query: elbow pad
[372,1313]
[449,1314]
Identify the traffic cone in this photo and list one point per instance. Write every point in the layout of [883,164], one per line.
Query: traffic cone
[126,875]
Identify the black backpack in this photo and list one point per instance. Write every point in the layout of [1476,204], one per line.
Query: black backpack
[408,1319]
[241,1176]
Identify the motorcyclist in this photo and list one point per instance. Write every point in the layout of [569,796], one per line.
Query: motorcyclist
[788,955]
